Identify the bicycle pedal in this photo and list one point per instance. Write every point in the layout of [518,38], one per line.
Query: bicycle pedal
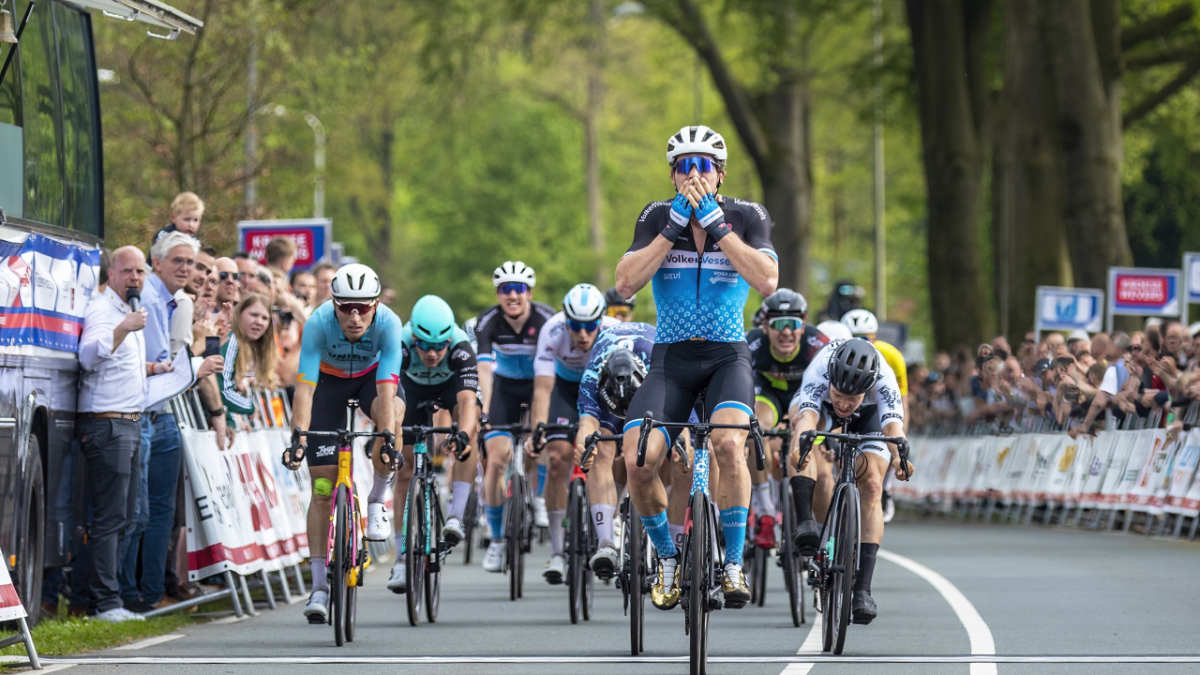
[315,620]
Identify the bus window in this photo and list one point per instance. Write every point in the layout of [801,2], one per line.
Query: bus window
[40,94]
[81,153]
[12,174]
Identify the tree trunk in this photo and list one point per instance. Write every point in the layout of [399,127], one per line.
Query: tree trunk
[949,38]
[591,132]
[786,176]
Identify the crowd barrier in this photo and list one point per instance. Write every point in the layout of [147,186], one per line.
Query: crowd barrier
[1108,481]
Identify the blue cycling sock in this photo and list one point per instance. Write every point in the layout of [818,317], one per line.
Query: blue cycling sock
[733,525]
[541,480]
[660,534]
[495,516]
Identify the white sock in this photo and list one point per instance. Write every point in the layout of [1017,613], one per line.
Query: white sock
[319,580]
[602,516]
[557,534]
[676,535]
[379,486]
[766,502]
[669,568]
[460,492]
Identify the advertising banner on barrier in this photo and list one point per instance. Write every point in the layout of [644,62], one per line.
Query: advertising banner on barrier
[1061,308]
[1143,291]
[1183,472]
[220,535]
[10,604]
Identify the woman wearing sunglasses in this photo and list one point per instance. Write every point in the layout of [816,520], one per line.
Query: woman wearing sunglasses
[439,366]
[780,351]
[563,350]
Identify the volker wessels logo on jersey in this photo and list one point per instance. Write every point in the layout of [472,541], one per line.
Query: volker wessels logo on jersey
[888,395]
[814,390]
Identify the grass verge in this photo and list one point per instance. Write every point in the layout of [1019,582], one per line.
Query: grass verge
[62,637]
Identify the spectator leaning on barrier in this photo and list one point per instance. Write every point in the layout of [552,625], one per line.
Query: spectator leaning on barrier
[187,210]
[247,266]
[250,356]
[112,354]
[304,287]
[323,272]
[205,259]
[281,254]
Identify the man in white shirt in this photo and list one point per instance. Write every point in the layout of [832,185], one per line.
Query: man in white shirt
[112,353]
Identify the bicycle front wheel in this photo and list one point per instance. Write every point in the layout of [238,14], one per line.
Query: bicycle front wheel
[575,529]
[339,565]
[845,560]
[514,531]
[792,564]
[636,550]
[470,521]
[433,574]
[700,576]
[414,548]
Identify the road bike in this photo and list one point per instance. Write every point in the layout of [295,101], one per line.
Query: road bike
[581,542]
[424,548]
[756,562]
[471,519]
[347,557]
[703,542]
[634,573]
[833,567]
[792,562]
[518,508]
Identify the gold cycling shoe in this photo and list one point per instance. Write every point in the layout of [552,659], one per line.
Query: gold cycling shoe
[733,586]
[660,595]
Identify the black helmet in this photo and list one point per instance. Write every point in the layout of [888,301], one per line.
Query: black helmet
[620,378]
[759,317]
[613,299]
[785,302]
[854,367]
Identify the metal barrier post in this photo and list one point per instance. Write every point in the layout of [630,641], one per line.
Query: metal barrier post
[299,579]
[270,592]
[246,596]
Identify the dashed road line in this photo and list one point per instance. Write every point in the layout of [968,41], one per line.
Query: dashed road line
[149,642]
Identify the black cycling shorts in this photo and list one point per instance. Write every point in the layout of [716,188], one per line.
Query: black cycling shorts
[778,399]
[444,394]
[507,396]
[865,421]
[564,407]
[681,370]
[329,410]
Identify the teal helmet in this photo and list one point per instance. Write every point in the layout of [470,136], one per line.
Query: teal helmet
[432,320]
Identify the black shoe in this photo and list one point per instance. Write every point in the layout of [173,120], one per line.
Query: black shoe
[862,609]
[807,537]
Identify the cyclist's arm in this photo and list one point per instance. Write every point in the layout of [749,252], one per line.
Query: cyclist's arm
[302,405]
[759,268]
[387,381]
[467,413]
[466,377]
[637,267]
[587,426]
[484,360]
[542,386]
[311,344]
[386,414]
[485,383]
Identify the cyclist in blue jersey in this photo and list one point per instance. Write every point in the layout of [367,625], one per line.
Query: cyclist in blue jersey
[350,350]
[563,349]
[618,364]
[507,334]
[439,365]
[702,252]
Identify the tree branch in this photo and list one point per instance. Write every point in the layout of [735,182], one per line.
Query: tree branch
[1163,57]
[1148,104]
[1157,26]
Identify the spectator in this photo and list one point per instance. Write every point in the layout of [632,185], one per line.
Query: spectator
[304,287]
[1000,347]
[1099,348]
[1056,346]
[247,266]
[1194,337]
[229,283]
[250,355]
[1176,342]
[106,259]
[205,259]
[323,272]
[281,254]
[112,349]
[260,282]
[1077,340]
[187,210]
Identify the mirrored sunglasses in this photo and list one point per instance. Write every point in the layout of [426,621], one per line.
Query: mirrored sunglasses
[587,326]
[785,322]
[432,346]
[512,287]
[349,307]
[702,164]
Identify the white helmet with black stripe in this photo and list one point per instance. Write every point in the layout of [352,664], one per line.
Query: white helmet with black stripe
[514,271]
[585,302]
[697,140]
[355,282]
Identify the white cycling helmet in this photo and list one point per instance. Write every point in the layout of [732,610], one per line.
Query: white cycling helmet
[697,140]
[514,271]
[835,330]
[355,282]
[861,322]
[585,302]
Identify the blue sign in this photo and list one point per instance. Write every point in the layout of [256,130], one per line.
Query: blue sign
[1069,308]
[1191,274]
[313,238]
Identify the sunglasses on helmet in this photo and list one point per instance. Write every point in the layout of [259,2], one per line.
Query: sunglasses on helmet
[587,326]
[618,312]
[350,307]
[785,322]
[432,346]
[512,287]
[702,164]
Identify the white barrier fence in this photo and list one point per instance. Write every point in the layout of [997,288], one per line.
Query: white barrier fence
[1116,476]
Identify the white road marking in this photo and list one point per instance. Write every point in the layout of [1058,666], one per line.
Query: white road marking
[149,642]
[982,643]
[592,660]
[232,618]
[812,645]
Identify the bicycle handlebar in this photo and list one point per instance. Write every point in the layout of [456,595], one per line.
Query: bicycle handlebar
[420,431]
[648,423]
[589,445]
[853,441]
[540,431]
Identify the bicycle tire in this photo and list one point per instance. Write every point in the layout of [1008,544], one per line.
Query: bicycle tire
[846,556]
[575,551]
[762,556]
[636,546]
[700,576]
[470,522]
[358,561]
[338,568]
[433,574]
[827,599]
[590,545]
[352,607]
[414,549]
[513,526]
[792,577]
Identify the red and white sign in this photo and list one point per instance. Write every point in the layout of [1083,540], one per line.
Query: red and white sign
[10,605]
[1144,291]
[312,238]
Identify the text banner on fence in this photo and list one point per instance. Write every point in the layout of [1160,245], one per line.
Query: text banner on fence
[10,605]
[313,237]
[1191,282]
[1142,291]
[1069,309]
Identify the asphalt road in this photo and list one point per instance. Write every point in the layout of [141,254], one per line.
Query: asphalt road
[1039,592]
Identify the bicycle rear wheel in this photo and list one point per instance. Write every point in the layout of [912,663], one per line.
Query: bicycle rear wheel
[575,550]
[339,566]
[414,548]
[470,521]
[433,575]
[792,564]
[845,557]
[758,592]
[700,574]
[358,566]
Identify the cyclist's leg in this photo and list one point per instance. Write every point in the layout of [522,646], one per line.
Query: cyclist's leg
[371,403]
[464,405]
[730,391]
[767,410]
[561,456]
[679,480]
[328,414]
[871,467]
[601,487]
[505,409]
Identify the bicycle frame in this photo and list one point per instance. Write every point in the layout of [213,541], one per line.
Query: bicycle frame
[423,471]
[345,481]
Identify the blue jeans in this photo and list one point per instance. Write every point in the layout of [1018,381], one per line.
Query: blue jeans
[166,450]
[138,519]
